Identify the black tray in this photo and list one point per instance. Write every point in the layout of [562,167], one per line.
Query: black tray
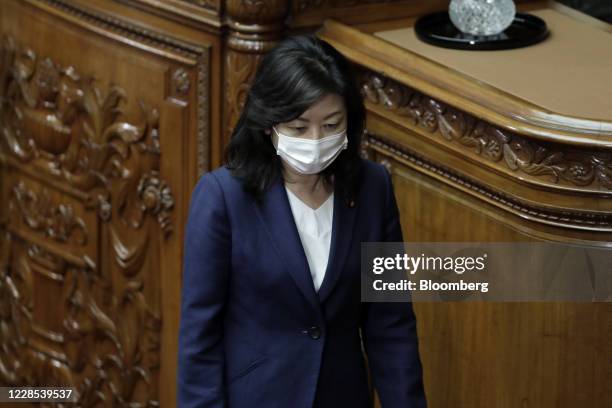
[438,29]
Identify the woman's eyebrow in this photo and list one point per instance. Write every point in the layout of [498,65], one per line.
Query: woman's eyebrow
[327,117]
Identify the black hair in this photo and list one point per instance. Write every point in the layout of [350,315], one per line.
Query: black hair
[291,77]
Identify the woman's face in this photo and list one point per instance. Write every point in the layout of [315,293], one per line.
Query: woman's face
[324,118]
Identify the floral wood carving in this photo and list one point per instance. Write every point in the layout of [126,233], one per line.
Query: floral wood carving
[40,213]
[66,126]
[180,81]
[551,163]
[155,197]
[109,338]
[198,53]
[81,134]
[123,337]
[255,28]
[391,152]
[241,71]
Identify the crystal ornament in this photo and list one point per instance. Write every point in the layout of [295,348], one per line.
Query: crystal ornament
[482,17]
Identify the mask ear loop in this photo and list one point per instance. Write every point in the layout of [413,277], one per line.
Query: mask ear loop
[277,137]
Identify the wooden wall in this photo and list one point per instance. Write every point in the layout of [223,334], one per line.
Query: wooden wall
[464,171]
[105,126]
[110,110]
[109,113]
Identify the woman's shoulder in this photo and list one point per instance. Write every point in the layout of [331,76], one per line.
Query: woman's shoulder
[373,172]
[221,176]
[373,166]
[218,182]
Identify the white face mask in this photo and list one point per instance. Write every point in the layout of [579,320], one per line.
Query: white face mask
[310,156]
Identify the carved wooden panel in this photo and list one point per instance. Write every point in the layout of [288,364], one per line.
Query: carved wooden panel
[256,27]
[461,176]
[94,140]
[542,164]
[549,163]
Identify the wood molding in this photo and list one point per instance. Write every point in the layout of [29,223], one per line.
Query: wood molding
[43,105]
[62,125]
[479,100]
[255,28]
[566,219]
[205,15]
[545,164]
[158,43]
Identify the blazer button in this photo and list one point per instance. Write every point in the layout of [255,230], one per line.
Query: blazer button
[314,332]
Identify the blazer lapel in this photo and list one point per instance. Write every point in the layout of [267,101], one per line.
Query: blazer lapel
[342,236]
[275,213]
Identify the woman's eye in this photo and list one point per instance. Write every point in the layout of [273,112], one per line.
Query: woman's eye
[331,125]
[299,128]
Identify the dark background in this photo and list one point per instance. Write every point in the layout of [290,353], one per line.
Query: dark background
[601,9]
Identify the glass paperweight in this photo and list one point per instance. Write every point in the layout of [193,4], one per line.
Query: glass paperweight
[482,17]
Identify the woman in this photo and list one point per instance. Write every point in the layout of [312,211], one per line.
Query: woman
[271,314]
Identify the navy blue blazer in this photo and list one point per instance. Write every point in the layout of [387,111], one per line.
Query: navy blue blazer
[254,333]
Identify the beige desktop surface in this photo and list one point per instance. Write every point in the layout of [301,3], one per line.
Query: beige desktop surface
[569,73]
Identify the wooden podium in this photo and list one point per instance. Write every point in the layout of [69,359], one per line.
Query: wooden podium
[505,146]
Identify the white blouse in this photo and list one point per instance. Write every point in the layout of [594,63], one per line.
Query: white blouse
[315,228]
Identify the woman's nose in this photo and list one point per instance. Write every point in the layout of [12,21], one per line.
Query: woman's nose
[317,133]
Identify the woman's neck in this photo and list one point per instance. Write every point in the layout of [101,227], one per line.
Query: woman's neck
[306,183]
